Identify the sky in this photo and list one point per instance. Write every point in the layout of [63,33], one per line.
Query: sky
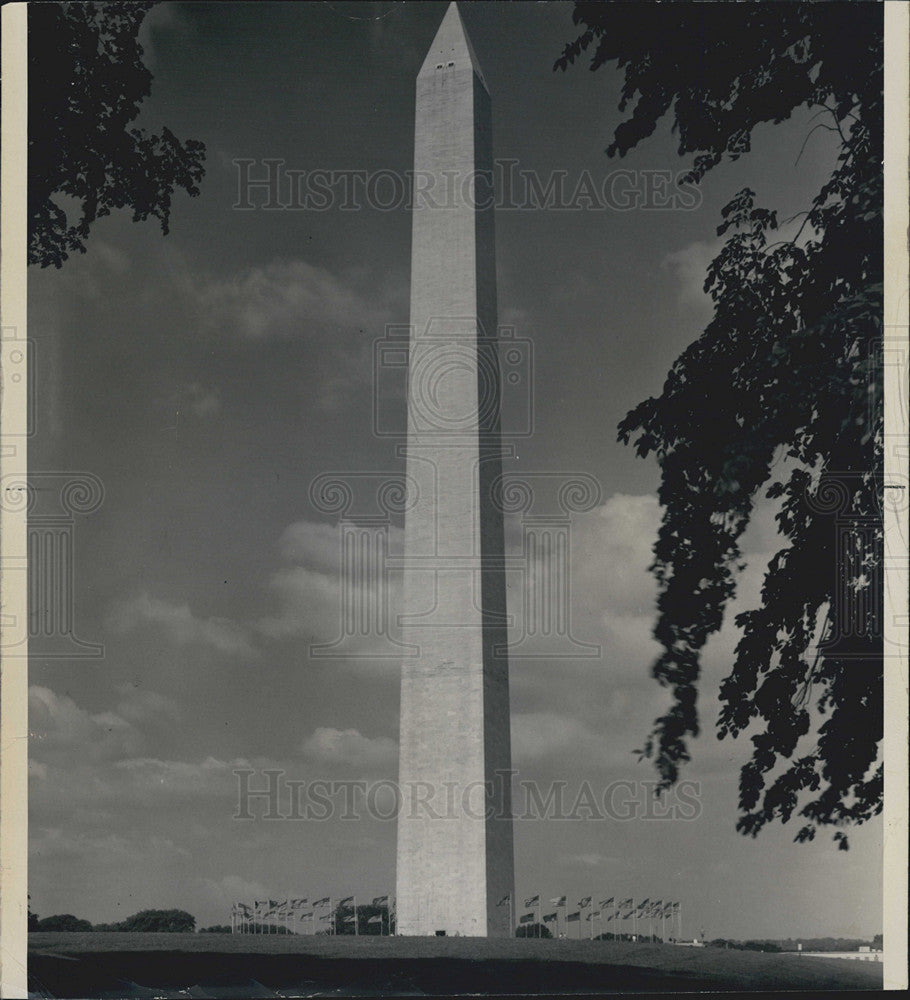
[206,378]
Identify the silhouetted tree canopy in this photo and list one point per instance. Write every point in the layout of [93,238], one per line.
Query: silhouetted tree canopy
[781,396]
[85,86]
[171,921]
[62,922]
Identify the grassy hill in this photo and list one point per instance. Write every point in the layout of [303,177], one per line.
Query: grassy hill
[87,964]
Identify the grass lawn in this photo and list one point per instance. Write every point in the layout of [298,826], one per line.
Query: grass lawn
[86,964]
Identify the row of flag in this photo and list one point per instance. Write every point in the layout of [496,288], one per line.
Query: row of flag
[302,909]
[619,909]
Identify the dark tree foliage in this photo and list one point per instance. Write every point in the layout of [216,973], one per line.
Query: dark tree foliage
[85,86]
[32,917]
[63,922]
[170,921]
[780,395]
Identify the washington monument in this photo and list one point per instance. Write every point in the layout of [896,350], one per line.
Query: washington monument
[455,857]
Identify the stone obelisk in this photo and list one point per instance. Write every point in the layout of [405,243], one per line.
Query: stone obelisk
[455,853]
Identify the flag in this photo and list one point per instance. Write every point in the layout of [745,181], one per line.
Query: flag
[526,918]
[350,919]
[323,901]
[610,917]
[559,901]
[381,901]
[626,916]
[297,904]
[585,902]
[326,916]
[306,916]
[375,920]
[507,898]
[625,903]
[548,918]
[347,899]
[573,916]
[272,904]
[643,904]
[533,901]
[607,902]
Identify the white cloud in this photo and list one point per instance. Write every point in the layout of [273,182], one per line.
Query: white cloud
[611,552]
[689,266]
[287,299]
[336,316]
[177,777]
[58,727]
[49,843]
[309,596]
[192,397]
[180,624]
[140,704]
[349,746]
[316,545]
[544,734]
[162,18]
[592,860]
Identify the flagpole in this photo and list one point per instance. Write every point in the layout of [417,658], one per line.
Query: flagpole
[356,927]
[538,915]
[512,931]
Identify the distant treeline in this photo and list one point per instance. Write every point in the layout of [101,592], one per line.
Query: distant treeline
[167,921]
[792,944]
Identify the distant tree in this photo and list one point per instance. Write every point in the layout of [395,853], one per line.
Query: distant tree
[32,917]
[781,394]
[877,941]
[216,929]
[533,931]
[85,86]
[63,922]
[170,921]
